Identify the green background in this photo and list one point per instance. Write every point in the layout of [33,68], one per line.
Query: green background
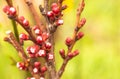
[99,49]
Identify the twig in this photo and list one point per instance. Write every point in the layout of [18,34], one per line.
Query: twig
[15,30]
[79,11]
[60,3]
[35,14]
[11,39]
[9,2]
[66,60]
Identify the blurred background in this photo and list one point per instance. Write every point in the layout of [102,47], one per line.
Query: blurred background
[99,49]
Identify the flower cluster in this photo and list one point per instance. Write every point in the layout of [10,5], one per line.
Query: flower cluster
[55,14]
[43,43]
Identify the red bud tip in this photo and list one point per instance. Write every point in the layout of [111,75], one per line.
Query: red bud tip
[83,21]
[36,64]
[43,69]
[41,53]
[80,35]
[68,41]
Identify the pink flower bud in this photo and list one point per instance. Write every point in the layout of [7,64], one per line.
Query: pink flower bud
[68,41]
[43,69]
[50,14]
[50,56]
[36,64]
[6,9]
[45,36]
[37,31]
[76,52]
[21,65]
[60,22]
[82,21]
[62,53]
[54,5]
[56,10]
[21,19]
[80,35]
[26,23]
[34,49]
[23,36]
[35,70]
[12,11]
[70,55]
[39,39]
[41,53]
[48,45]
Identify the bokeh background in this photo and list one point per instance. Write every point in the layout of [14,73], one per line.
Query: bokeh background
[99,49]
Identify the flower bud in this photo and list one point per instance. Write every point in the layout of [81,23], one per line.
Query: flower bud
[80,35]
[59,22]
[62,53]
[35,70]
[21,65]
[56,10]
[12,11]
[43,69]
[41,53]
[6,9]
[68,41]
[36,64]
[26,23]
[54,5]
[82,21]
[76,52]
[50,14]
[23,36]
[48,45]
[50,56]
[39,39]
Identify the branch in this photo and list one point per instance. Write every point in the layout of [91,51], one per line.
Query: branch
[34,13]
[66,60]
[28,30]
[79,11]
[11,39]
[9,2]
[60,3]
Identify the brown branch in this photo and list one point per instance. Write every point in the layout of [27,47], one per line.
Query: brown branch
[50,63]
[9,2]
[60,3]
[66,60]
[79,11]
[35,14]
[11,39]
[28,30]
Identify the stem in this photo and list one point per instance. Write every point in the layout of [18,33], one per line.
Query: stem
[15,29]
[66,60]
[34,13]
[11,39]
[9,2]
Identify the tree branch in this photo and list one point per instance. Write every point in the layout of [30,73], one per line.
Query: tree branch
[66,60]
[11,39]
[34,13]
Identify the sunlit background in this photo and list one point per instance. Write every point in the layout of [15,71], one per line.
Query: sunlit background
[99,49]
